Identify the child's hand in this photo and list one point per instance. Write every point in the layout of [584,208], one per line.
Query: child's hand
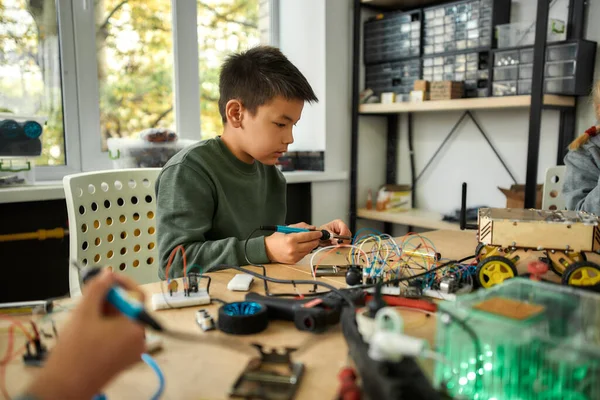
[93,347]
[339,228]
[291,248]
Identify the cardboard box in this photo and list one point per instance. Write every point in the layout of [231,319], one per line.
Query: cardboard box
[394,198]
[515,196]
[446,90]
[418,96]
[421,85]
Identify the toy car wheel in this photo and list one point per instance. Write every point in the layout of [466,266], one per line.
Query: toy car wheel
[559,269]
[494,270]
[582,273]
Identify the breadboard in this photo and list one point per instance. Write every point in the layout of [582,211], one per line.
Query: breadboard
[164,301]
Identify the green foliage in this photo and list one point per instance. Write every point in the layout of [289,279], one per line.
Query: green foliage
[134,40]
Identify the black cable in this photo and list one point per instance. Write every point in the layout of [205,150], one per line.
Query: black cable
[476,342]
[296,282]
[246,249]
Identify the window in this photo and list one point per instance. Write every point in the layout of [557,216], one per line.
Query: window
[30,74]
[109,66]
[224,27]
[134,47]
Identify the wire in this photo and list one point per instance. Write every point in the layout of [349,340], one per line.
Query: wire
[313,266]
[476,343]
[161,378]
[296,282]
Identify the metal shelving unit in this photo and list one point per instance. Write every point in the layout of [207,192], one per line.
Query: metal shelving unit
[536,102]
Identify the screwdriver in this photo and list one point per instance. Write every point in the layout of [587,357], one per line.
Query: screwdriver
[326,235]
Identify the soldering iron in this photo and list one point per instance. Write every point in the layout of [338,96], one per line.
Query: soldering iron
[326,235]
[123,302]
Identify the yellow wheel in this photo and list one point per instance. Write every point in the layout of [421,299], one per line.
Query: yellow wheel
[495,270]
[583,273]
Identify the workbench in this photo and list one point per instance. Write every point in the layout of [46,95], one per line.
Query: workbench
[206,370]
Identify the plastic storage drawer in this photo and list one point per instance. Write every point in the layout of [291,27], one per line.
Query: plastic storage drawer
[526,56]
[504,88]
[560,68]
[506,73]
[559,85]
[562,52]
[138,153]
[505,58]
[524,87]
[526,71]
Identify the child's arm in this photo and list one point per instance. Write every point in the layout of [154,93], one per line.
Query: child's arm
[582,178]
[185,208]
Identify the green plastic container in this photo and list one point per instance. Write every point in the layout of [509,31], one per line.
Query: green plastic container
[549,354]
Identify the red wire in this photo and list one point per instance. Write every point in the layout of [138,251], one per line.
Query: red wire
[173,253]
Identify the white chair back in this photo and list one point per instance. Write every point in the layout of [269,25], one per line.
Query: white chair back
[553,198]
[112,222]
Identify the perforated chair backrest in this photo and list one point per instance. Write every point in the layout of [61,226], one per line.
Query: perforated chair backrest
[553,196]
[112,222]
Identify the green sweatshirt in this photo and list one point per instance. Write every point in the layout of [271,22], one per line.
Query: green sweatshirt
[209,201]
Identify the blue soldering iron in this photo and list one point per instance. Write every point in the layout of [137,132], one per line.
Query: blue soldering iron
[326,235]
[128,306]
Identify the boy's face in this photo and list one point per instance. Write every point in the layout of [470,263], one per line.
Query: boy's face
[267,134]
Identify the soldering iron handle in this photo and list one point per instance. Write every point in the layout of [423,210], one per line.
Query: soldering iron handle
[128,306]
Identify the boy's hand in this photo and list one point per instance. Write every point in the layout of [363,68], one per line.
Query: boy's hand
[93,347]
[339,228]
[293,247]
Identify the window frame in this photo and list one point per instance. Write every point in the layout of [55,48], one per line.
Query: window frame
[81,111]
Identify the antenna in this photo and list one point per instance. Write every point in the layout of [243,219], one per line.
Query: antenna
[463,210]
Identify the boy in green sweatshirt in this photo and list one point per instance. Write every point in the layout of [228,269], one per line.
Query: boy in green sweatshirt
[212,195]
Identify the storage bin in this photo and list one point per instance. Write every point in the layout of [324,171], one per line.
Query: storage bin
[504,88]
[16,171]
[506,73]
[483,92]
[559,85]
[525,71]
[138,153]
[526,56]
[504,58]
[515,34]
[560,68]
[561,52]
[521,339]
[524,86]
[483,74]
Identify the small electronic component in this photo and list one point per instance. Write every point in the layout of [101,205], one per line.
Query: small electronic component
[204,320]
[35,356]
[354,276]
[191,295]
[240,283]
[449,284]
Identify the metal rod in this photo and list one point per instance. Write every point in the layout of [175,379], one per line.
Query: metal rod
[566,133]
[537,101]
[576,19]
[411,151]
[492,146]
[391,165]
[354,123]
[441,146]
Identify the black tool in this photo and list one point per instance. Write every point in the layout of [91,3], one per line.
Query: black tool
[312,315]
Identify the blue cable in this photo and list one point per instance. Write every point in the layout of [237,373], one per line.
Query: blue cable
[161,378]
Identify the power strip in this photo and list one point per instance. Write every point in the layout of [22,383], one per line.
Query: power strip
[165,301]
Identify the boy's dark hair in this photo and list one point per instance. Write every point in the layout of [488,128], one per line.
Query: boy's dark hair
[256,76]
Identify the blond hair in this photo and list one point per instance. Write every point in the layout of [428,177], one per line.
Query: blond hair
[594,130]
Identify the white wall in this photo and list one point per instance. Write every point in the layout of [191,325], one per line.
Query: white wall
[302,33]
[331,200]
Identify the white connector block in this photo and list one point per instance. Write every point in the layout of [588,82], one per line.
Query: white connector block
[165,301]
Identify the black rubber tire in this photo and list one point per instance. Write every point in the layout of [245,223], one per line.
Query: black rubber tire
[485,261]
[243,324]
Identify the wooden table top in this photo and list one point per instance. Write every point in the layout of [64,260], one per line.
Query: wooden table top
[207,369]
